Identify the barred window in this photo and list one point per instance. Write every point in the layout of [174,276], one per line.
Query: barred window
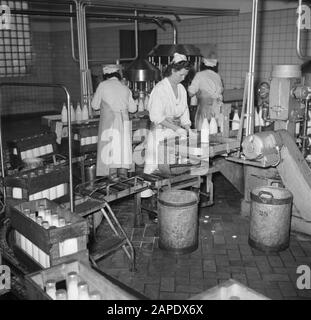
[15,40]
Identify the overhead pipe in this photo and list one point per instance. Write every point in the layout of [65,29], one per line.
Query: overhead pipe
[250,89]
[45,85]
[73,54]
[298,48]
[169,21]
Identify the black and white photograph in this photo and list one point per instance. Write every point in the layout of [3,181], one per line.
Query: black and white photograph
[155,155]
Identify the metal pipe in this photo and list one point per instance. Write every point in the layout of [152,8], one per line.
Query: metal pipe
[47,85]
[298,49]
[136,35]
[73,54]
[250,89]
[169,21]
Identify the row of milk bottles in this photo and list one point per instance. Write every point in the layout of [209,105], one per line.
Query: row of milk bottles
[142,102]
[259,121]
[78,114]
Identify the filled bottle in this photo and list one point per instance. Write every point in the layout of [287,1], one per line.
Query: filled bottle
[220,121]
[78,113]
[83,291]
[72,113]
[213,128]
[205,131]
[64,113]
[235,121]
[85,111]
[50,288]
[72,281]
[61,294]
[146,102]
[141,106]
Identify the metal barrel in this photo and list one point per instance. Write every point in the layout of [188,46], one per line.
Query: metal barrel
[178,221]
[270,218]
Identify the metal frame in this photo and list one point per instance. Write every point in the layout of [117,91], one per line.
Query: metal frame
[43,85]
[298,49]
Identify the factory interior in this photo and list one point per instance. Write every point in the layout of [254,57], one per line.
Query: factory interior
[225,216]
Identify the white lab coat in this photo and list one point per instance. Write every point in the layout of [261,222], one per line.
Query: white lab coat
[207,85]
[114,149]
[162,105]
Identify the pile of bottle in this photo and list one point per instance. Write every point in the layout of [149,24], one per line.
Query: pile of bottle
[79,114]
[72,288]
[46,219]
[35,152]
[142,101]
[52,193]
[259,121]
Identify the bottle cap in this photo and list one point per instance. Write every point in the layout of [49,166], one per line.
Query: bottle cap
[39,220]
[95,295]
[45,225]
[61,294]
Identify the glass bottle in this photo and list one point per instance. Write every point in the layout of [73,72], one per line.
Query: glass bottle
[83,291]
[41,211]
[54,220]
[61,294]
[48,213]
[50,288]
[95,295]
[72,280]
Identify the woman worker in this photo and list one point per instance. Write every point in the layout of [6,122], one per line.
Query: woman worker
[168,109]
[207,85]
[114,149]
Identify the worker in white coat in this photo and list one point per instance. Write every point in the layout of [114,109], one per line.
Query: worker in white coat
[114,149]
[207,86]
[168,109]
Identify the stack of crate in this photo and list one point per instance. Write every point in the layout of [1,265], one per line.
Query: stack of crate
[39,145]
[50,182]
[85,137]
[45,234]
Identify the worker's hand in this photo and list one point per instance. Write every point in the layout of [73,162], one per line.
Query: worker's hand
[181,132]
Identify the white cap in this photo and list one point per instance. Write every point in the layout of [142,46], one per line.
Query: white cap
[111,68]
[179,57]
[209,62]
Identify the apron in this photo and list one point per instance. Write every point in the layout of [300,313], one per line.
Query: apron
[114,149]
[207,107]
[154,154]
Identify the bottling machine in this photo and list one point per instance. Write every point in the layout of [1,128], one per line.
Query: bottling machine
[279,157]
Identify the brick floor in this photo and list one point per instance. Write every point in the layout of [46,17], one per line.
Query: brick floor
[223,253]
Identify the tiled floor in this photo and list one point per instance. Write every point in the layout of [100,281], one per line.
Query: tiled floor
[223,253]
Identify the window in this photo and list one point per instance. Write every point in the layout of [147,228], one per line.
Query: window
[15,40]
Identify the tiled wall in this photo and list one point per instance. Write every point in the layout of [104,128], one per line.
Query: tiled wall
[276,44]
[17,100]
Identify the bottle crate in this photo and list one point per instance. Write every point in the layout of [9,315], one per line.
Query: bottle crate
[42,247]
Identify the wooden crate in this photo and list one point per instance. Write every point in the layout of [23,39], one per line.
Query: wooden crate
[50,240]
[109,288]
[229,290]
[41,145]
[27,184]
[85,137]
